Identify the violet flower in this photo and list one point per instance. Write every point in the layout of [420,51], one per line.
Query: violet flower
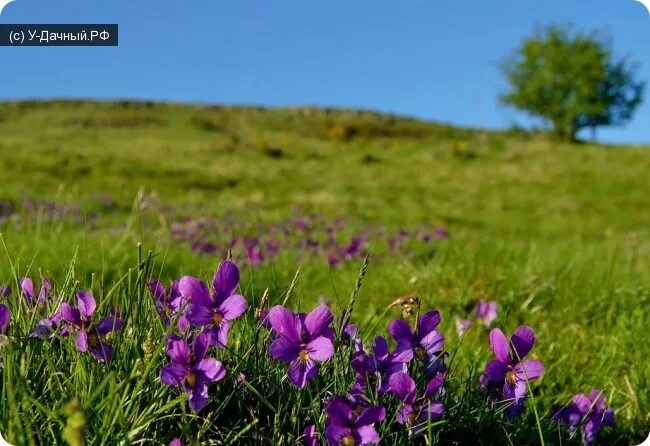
[176,442]
[588,411]
[216,311]
[190,369]
[415,412]
[27,289]
[301,340]
[462,325]
[376,369]
[168,304]
[345,426]
[5,291]
[90,337]
[5,318]
[310,436]
[426,342]
[486,312]
[509,373]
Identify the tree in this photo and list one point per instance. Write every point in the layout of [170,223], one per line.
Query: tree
[571,81]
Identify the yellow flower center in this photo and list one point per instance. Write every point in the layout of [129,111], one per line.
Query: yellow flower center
[420,352]
[511,378]
[93,339]
[190,380]
[168,311]
[349,441]
[303,357]
[216,319]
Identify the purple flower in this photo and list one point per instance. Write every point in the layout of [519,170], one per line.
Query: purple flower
[90,338]
[216,311]
[5,291]
[462,325]
[377,368]
[351,334]
[415,412]
[176,442]
[441,233]
[509,373]
[310,436]
[302,340]
[190,369]
[346,426]
[5,318]
[486,312]
[168,304]
[27,289]
[426,342]
[588,411]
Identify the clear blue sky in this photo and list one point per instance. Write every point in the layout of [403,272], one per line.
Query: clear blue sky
[426,58]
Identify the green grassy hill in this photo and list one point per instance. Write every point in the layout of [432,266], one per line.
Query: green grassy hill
[557,234]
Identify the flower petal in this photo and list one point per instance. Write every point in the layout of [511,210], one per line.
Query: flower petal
[529,369]
[195,290]
[371,415]
[178,350]
[339,412]
[233,307]
[285,323]
[401,331]
[211,369]
[5,318]
[103,351]
[320,349]
[496,370]
[317,321]
[522,340]
[200,346]
[108,324]
[173,374]
[428,322]
[282,349]
[226,280]
[301,373]
[82,341]
[499,345]
[433,343]
[198,398]
[403,387]
[70,314]
[367,435]
[86,303]
[27,288]
[199,315]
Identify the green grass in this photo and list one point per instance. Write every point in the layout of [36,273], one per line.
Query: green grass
[557,234]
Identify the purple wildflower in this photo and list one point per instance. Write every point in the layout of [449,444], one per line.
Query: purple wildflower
[27,289]
[347,426]
[90,338]
[462,325]
[509,373]
[378,367]
[190,369]
[168,304]
[486,312]
[310,436]
[426,342]
[302,340]
[5,318]
[216,311]
[176,442]
[414,412]
[588,411]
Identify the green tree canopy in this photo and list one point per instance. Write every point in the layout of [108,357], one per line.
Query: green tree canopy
[571,81]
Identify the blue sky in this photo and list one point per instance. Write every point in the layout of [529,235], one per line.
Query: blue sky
[425,58]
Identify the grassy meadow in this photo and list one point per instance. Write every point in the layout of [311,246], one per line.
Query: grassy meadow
[92,195]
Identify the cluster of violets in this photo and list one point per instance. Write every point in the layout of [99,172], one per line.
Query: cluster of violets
[310,236]
[485,315]
[44,210]
[410,376]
